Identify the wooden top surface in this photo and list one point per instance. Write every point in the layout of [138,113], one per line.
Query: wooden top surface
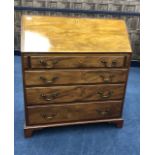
[67,34]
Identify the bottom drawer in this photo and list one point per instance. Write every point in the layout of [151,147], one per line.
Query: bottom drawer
[73,112]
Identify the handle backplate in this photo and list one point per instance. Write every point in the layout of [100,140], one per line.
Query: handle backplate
[107,78]
[48,116]
[45,62]
[103,95]
[45,80]
[105,63]
[102,112]
[49,97]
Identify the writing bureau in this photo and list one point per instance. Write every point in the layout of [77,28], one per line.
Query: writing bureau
[75,70]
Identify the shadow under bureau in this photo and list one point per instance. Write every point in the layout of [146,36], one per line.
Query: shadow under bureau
[75,71]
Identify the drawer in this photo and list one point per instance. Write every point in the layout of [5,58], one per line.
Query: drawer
[60,77]
[78,61]
[73,112]
[64,94]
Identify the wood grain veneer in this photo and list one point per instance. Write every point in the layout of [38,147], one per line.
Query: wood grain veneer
[67,34]
[73,112]
[70,77]
[77,61]
[46,95]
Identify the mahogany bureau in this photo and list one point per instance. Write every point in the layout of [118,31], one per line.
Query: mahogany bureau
[75,70]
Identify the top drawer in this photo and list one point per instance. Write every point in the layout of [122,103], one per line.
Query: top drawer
[78,61]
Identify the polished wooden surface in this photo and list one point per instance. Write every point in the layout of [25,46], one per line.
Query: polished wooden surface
[63,34]
[72,77]
[73,112]
[66,94]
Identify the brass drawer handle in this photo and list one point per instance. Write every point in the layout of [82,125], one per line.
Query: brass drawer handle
[103,96]
[101,112]
[48,117]
[48,81]
[104,62]
[49,97]
[107,79]
[113,64]
[44,63]
[55,61]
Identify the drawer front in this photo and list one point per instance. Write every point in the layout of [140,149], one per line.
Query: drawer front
[77,61]
[73,112]
[64,94]
[59,77]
